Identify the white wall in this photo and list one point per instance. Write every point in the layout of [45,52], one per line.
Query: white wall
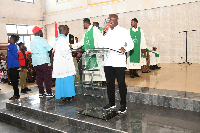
[161,25]
[67,11]
[16,12]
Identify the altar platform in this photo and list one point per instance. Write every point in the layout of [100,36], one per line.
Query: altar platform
[165,100]
[48,115]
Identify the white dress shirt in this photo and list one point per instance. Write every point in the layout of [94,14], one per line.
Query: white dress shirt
[96,34]
[115,39]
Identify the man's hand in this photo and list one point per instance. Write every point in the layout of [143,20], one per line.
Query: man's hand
[70,46]
[154,48]
[105,30]
[122,49]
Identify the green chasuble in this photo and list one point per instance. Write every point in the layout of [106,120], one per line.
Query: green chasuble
[101,29]
[135,53]
[89,44]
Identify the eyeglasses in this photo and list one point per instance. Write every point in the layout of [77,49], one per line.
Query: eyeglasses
[109,19]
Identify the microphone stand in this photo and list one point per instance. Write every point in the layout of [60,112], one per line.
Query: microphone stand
[186,62]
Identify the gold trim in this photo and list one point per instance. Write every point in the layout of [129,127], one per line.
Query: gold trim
[62,2]
[43,8]
[100,2]
[76,7]
[3,43]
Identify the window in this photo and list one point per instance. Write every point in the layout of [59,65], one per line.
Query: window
[22,29]
[24,32]
[28,1]
[11,29]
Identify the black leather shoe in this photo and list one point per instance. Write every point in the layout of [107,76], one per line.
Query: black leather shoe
[156,67]
[146,72]
[152,68]
[132,76]
[122,109]
[23,91]
[27,89]
[136,75]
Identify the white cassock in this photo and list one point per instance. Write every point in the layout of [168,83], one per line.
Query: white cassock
[63,64]
[98,75]
[142,46]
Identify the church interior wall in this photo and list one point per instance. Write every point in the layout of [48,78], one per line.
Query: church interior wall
[19,13]
[161,27]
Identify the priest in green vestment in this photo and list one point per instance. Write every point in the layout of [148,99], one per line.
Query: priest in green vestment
[90,41]
[134,56]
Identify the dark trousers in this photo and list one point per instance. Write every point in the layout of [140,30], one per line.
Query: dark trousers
[110,77]
[14,76]
[132,72]
[43,72]
[80,68]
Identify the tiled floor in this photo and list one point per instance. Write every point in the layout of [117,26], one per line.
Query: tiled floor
[180,77]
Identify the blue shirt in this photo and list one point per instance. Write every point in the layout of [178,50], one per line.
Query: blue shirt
[39,49]
[12,56]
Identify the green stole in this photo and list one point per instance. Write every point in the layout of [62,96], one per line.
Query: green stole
[156,55]
[101,29]
[89,44]
[135,52]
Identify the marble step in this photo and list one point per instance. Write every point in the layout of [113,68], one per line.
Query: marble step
[37,124]
[151,96]
[47,120]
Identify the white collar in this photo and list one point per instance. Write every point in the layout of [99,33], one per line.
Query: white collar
[135,29]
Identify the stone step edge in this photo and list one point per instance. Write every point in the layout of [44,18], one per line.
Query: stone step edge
[159,100]
[69,120]
[18,122]
[117,90]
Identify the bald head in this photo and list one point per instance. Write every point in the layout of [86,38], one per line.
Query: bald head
[114,16]
[113,20]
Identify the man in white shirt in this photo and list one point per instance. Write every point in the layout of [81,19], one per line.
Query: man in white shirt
[118,40]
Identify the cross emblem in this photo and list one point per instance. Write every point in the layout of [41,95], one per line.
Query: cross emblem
[135,40]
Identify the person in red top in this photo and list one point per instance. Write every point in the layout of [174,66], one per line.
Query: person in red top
[23,66]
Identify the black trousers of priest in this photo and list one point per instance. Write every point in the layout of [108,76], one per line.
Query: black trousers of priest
[110,77]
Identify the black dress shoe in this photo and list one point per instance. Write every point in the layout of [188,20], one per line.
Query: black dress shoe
[152,68]
[156,67]
[132,76]
[146,72]
[27,89]
[136,75]
[23,91]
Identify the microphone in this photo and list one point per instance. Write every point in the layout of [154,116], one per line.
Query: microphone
[107,25]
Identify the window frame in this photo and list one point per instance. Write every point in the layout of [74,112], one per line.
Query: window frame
[27,2]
